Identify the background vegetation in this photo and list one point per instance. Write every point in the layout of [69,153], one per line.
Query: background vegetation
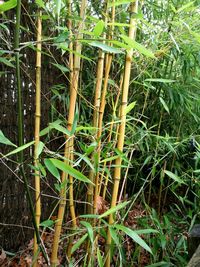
[99,131]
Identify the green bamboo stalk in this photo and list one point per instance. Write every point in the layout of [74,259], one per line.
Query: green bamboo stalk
[18,78]
[20,126]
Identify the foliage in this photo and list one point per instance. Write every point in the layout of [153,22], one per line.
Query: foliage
[159,160]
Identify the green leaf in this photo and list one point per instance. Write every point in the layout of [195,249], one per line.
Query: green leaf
[109,159]
[47,129]
[61,67]
[146,231]
[158,80]
[174,177]
[6,62]
[118,3]
[135,45]
[185,6]
[99,258]
[79,243]
[60,128]
[89,216]
[115,238]
[106,48]
[58,7]
[47,223]
[40,3]
[20,148]
[62,37]
[8,5]
[164,104]
[130,107]
[52,169]
[114,209]
[161,263]
[88,226]
[134,236]
[5,140]
[42,169]
[70,170]
[98,29]
[39,149]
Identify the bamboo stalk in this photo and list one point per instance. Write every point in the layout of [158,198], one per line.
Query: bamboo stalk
[20,126]
[109,140]
[18,78]
[69,140]
[108,62]
[97,98]
[98,86]
[121,136]
[37,131]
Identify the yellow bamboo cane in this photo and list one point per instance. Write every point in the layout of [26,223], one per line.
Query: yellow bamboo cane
[108,63]
[120,143]
[37,131]
[69,140]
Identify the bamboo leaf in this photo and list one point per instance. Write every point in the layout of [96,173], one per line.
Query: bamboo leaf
[98,29]
[109,159]
[99,258]
[58,7]
[52,169]
[89,229]
[121,2]
[89,216]
[47,129]
[47,223]
[5,140]
[70,170]
[61,67]
[40,3]
[106,48]
[158,264]
[146,231]
[17,150]
[114,209]
[135,45]
[79,243]
[134,236]
[39,149]
[185,6]
[130,107]
[8,5]
[164,104]
[174,177]
[6,62]
[42,169]
[115,238]
[60,128]
[159,80]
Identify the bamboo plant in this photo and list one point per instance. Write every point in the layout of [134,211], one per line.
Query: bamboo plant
[69,139]
[37,129]
[121,135]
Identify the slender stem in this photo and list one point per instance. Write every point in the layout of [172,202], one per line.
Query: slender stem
[37,130]
[18,78]
[121,136]
[20,128]
[69,140]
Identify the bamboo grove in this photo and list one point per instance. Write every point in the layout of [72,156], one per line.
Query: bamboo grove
[120,134]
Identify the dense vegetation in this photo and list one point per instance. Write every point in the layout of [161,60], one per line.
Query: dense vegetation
[120,149]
